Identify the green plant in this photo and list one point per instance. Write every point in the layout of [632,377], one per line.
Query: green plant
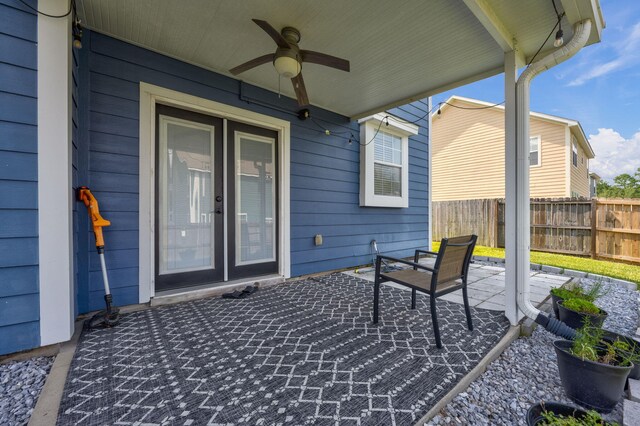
[607,268]
[596,291]
[585,345]
[590,345]
[591,419]
[581,305]
[568,293]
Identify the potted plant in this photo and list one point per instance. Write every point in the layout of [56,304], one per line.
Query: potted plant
[593,371]
[556,414]
[577,312]
[562,293]
[575,292]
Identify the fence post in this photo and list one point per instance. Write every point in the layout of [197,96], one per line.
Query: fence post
[594,227]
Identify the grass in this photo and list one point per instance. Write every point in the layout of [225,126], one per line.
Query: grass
[622,271]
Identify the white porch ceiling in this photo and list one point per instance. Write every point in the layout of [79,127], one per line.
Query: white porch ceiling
[399,51]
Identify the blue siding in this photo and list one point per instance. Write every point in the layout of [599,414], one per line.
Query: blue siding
[324,169]
[19,300]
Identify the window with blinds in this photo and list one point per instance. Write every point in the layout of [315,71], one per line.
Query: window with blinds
[384,161]
[387,167]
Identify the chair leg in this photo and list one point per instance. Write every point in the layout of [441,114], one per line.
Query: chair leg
[413,298]
[466,308]
[376,297]
[434,320]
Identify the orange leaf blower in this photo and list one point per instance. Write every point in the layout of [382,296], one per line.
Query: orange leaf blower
[110,316]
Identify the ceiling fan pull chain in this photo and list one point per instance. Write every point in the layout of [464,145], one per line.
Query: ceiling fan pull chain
[279,84]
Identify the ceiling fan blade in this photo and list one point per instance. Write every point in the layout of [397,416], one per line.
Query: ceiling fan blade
[301,90]
[273,33]
[324,59]
[252,64]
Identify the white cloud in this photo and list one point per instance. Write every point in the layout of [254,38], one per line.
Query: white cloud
[614,154]
[625,55]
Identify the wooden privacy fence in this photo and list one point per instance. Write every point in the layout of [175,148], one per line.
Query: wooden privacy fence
[600,228]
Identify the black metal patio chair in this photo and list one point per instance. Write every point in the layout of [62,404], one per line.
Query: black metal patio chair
[449,274]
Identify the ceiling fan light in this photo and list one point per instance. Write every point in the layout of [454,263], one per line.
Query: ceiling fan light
[287,66]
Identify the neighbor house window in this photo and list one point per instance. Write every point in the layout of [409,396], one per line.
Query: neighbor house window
[574,152]
[384,161]
[534,151]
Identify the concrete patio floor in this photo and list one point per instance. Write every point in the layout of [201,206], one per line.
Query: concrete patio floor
[486,285]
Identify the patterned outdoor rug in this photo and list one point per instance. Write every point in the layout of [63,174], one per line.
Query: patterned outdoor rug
[298,353]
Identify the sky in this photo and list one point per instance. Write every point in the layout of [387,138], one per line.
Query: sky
[599,87]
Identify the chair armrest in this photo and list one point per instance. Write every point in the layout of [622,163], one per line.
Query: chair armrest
[426,252]
[406,262]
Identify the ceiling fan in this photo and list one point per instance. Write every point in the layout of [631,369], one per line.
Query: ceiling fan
[288,59]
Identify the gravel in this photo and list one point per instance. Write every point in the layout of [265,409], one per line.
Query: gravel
[20,386]
[526,373]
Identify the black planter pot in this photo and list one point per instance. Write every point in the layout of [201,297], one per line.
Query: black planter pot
[534,413]
[611,336]
[554,304]
[590,384]
[576,320]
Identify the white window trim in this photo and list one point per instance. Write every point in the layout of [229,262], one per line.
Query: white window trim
[539,138]
[149,96]
[368,128]
[574,144]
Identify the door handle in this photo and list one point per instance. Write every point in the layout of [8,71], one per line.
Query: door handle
[219,198]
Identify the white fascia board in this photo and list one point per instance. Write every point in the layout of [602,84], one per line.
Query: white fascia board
[55,197]
[579,10]
[485,14]
[431,92]
[398,124]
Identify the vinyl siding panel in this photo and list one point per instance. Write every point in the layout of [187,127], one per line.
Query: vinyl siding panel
[19,299]
[580,175]
[324,169]
[549,179]
[469,155]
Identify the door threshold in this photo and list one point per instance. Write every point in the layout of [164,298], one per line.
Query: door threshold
[185,294]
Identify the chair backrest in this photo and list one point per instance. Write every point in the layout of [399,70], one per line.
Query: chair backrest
[454,257]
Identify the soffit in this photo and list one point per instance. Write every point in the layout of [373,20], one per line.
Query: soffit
[399,51]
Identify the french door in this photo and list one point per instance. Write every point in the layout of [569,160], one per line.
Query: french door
[252,189]
[194,204]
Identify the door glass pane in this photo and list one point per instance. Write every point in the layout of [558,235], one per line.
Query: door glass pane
[185,196]
[255,199]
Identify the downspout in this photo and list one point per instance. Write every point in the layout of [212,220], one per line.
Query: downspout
[580,37]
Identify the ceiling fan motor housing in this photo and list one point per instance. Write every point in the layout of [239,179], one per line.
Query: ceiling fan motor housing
[288,62]
[288,58]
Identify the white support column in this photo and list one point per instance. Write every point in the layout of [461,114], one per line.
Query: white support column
[430,182]
[55,195]
[511,188]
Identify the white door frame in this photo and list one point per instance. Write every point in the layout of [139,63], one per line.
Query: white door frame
[149,96]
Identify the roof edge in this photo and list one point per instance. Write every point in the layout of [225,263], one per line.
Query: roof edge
[573,124]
